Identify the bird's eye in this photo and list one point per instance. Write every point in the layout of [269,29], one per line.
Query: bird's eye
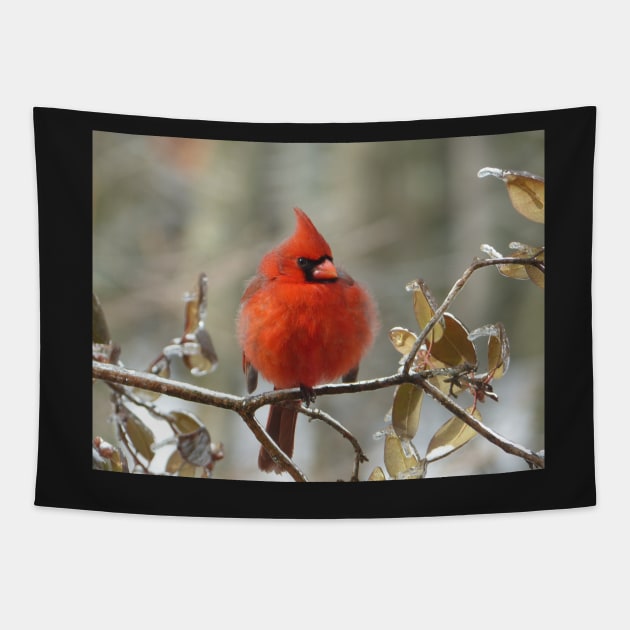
[302,262]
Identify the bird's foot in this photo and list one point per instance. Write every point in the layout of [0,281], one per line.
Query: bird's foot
[308,395]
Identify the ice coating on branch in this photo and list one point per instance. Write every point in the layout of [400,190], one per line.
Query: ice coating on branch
[490,251]
[483,331]
[488,170]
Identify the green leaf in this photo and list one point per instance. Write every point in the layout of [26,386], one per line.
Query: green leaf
[424,307]
[199,356]
[452,435]
[377,475]
[139,434]
[196,347]
[454,347]
[416,472]
[396,460]
[498,351]
[174,463]
[402,339]
[498,347]
[536,275]
[406,410]
[100,330]
[188,470]
[525,272]
[196,304]
[516,271]
[185,422]
[527,194]
[526,191]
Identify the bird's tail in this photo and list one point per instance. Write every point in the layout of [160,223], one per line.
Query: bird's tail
[281,429]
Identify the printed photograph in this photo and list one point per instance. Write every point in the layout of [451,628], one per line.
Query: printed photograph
[322,312]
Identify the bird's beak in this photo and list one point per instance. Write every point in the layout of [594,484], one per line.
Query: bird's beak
[325,271]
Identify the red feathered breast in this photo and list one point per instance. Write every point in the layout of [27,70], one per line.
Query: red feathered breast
[305,333]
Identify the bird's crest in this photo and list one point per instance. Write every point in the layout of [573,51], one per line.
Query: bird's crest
[306,241]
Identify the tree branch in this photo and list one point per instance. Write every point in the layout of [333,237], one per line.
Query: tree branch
[246,406]
[193,393]
[153,383]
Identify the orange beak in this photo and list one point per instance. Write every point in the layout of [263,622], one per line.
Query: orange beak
[325,271]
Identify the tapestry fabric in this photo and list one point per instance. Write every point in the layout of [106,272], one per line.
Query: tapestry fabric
[333,320]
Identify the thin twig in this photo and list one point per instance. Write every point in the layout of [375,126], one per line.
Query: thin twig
[359,457]
[122,436]
[457,287]
[150,407]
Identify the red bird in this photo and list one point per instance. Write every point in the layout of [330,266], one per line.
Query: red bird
[302,322]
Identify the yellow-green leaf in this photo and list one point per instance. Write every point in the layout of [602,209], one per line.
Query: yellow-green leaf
[396,461]
[188,470]
[200,357]
[174,463]
[516,272]
[424,307]
[416,472]
[406,410]
[498,351]
[185,422]
[452,435]
[196,304]
[100,330]
[140,435]
[536,275]
[525,272]
[377,475]
[511,270]
[526,191]
[498,347]
[527,194]
[117,462]
[207,347]
[454,347]
[402,339]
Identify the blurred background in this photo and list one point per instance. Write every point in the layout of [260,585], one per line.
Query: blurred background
[166,209]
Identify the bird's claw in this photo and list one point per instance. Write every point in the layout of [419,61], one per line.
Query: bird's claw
[308,395]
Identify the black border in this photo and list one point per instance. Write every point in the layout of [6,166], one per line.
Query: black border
[63,146]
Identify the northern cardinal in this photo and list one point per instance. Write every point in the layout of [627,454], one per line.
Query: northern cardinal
[302,322]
